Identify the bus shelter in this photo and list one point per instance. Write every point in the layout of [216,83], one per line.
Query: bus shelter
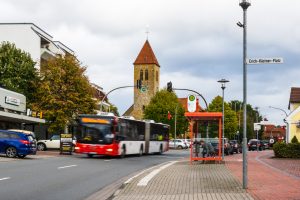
[205,148]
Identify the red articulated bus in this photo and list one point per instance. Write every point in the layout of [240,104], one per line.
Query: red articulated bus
[109,135]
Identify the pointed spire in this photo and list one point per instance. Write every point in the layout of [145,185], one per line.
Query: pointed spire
[146,55]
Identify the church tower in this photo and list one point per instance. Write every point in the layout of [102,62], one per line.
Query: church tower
[146,69]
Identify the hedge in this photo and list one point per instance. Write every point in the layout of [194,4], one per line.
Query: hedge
[283,150]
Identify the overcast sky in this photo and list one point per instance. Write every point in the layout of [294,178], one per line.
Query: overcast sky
[196,42]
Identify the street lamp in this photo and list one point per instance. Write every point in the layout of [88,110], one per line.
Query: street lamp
[244,4]
[223,82]
[284,120]
[256,108]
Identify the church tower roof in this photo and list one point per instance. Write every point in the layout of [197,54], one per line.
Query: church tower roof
[146,55]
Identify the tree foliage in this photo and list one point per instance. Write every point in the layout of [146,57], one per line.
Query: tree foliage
[159,106]
[230,117]
[63,92]
[253,116]
[17,71]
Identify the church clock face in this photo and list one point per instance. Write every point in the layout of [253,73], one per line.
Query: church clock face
[143,89]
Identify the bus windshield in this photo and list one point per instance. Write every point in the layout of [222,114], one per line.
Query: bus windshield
[96,134]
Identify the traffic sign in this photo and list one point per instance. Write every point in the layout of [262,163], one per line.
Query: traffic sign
[256,61]
[192,103]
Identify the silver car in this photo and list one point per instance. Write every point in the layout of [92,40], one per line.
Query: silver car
[178,144]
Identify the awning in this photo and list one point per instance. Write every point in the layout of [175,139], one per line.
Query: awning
[198,116]
[12,117]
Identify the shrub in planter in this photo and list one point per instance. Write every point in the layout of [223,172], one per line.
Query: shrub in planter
[294,139]
[282,150]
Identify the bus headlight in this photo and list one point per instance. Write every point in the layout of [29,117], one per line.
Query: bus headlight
[77,148]
[109,150]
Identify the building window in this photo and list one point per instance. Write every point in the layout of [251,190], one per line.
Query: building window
[141,75]
[156,75]
[146,75]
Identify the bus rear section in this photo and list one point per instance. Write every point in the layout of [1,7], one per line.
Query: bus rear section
[158,138]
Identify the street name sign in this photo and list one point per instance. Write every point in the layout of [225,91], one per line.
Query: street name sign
[256,61]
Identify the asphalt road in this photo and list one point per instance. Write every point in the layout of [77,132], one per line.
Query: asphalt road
[70,177]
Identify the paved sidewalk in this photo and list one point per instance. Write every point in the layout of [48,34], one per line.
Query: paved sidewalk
[268,178]
[182,181]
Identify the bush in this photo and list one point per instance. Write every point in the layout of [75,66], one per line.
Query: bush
[283,150]
[294,140]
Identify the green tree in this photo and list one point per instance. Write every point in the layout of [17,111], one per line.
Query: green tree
[159,106]
[253,116]
[230,118]
[63,92]
[17,71]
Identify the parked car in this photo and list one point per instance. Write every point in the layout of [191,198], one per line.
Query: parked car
[178,144]
[188,142]
[255,144]
[52,143]
[266,144]
[16,144]
[24,131]
[227,147]
[236,146]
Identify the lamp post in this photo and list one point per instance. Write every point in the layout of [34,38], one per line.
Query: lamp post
[223,82]
[175,122]
[244,4]
[284,120]
[256,108]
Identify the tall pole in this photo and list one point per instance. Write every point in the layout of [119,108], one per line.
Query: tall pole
[175,123]
[244,4]
[256,108]
[223,81]
[223,88]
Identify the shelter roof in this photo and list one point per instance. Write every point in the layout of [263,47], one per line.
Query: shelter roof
[203,115]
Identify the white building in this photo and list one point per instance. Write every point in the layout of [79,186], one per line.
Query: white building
[33,40]
[41,46]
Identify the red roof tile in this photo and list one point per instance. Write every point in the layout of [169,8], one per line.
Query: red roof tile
[146,55]
[295,95]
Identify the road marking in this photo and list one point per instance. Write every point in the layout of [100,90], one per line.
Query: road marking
[6,178]
[144,181]
[130,179]
[67,166]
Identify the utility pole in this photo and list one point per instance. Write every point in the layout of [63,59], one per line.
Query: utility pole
[244,4]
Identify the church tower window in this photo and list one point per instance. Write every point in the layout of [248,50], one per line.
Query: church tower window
[146,75]
[141,75]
